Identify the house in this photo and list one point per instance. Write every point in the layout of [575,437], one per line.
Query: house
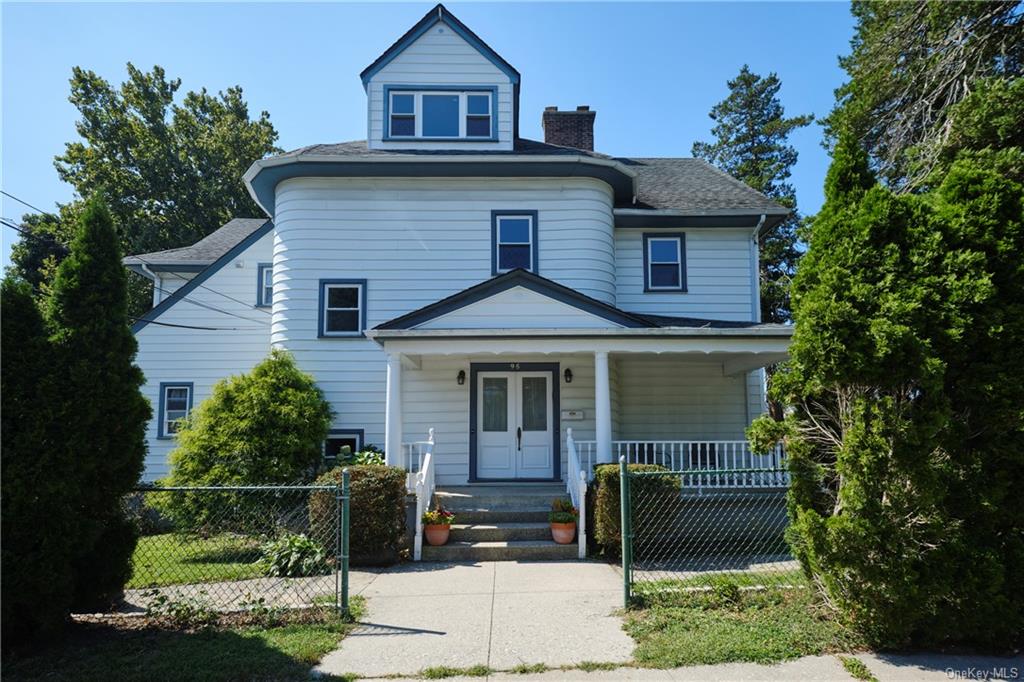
[448,274]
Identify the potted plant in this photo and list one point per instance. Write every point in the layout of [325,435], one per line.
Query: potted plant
[437,524]
[563,520]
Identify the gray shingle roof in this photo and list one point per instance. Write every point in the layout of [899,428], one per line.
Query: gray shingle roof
[686,185]
[206,250]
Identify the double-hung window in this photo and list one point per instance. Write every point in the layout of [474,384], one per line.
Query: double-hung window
[264,285]
[441,114]
[514,241]
[175,404]
[664,262]
[342,307]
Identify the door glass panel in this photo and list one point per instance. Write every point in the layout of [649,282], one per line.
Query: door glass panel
[535,404]
[495,404]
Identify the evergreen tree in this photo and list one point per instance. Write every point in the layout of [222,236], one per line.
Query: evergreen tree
[39,532]
[102,410]
[751,143]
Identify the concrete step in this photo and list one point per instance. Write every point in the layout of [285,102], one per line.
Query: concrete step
[514,550]
[493,515]
[496,532]
[498,497]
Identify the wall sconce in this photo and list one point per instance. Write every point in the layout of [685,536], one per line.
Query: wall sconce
[568,375]
[461,378]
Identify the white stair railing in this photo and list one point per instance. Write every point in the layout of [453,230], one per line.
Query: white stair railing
[424,492]
[576,486]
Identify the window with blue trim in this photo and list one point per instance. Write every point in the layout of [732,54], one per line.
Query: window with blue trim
[175,404]
[264,284]
[342,308]
[664,263]
[441,114]
[515,241]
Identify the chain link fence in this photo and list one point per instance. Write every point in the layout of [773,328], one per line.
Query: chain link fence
[237,548]
[680,538]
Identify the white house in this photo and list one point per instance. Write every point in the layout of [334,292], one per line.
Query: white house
[448,274]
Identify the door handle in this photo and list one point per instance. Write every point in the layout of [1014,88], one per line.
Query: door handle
[519,438]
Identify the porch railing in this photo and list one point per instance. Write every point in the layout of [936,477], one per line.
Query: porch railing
[707,464]
[412,458]
[576,486]
[424,487]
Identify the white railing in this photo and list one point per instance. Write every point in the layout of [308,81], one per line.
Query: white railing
[708,464]
[412,458]
[424,489]
[576,485]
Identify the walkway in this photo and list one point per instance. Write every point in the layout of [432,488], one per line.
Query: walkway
[499,614]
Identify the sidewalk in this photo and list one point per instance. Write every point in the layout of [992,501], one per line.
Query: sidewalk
[498,614]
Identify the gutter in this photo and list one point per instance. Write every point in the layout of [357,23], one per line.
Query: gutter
[157,289]
[761,331]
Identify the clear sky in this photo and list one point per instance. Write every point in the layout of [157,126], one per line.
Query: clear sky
[652,71]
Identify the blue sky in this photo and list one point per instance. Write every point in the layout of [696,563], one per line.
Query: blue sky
[652,71]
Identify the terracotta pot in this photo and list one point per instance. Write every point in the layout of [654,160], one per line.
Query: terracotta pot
[563,533]
[437,533]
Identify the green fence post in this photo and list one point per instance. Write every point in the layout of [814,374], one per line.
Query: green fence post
[626,531]
[345,523]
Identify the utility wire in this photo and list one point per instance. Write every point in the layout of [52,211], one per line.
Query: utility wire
[22,201]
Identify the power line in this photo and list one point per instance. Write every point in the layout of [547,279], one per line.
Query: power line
[22,201]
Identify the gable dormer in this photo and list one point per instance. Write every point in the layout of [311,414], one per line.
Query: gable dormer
[441,87]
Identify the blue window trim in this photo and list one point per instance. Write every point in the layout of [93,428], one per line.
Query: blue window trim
[320,332]
[535,250]
[260,269]
[164,385]
[390,88]
[681,236]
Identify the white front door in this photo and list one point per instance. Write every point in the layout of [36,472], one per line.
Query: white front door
[514,430]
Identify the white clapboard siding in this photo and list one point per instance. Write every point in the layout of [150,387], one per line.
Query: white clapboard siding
[170,282]
[665,398]
[518,308]
[718,275]
[440,57]
[171,354]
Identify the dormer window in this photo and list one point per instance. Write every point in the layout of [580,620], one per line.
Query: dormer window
[441,113]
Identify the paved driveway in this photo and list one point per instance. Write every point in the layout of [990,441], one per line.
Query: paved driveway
[498,614]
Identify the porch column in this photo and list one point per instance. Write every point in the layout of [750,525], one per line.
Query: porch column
[393,412]
[602,407]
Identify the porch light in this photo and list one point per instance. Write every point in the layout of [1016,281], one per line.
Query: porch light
[568,375]
[461,378]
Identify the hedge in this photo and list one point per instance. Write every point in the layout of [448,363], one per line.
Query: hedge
[377,508]
[607,512]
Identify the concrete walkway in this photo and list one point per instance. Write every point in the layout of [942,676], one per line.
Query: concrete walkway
[499,614]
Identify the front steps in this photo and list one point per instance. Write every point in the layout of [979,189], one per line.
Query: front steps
[500,523]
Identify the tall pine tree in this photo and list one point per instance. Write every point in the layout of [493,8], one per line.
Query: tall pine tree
[101,401]
[751,143]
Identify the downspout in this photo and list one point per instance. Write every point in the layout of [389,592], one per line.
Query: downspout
[157,289]
[755,307]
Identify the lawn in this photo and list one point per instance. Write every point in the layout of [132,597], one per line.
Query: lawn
[105,652]
[172,559]
[783,578]
[748,625]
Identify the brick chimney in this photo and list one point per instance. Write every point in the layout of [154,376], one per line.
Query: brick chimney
[569,128]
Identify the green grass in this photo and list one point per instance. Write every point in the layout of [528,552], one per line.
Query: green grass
[171,559]
[527,669]
[591,666]
[761,626]
[744,579]
[442,671]
[857,668]
[100,652]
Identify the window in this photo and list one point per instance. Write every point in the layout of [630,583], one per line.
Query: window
[440,113]
[175,404]
[340,438]
[514,241]
[264,284]
[342,307]
[664,262]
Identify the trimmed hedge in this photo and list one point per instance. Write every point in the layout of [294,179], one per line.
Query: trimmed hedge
[607,511]
[377,507]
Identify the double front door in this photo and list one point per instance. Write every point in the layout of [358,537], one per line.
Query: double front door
[514,425]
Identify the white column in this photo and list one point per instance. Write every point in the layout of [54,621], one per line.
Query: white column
[393,412]
[603,407]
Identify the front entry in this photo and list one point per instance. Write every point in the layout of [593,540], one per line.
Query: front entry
[514,422]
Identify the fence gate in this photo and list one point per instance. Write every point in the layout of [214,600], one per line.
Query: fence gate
[232,548]
[681,537]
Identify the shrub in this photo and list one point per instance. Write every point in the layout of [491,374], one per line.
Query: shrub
[377,508]
[605,493]
[293,555]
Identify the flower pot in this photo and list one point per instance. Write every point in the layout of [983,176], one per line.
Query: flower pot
[563,533]
[437,534]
